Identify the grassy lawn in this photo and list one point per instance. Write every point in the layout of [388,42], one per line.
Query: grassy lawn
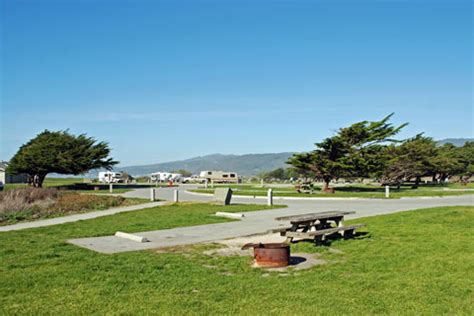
[362,191]
[48,182]
[418,262]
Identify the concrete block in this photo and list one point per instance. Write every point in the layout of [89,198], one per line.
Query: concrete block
[223,195]
[131,237]
[230,215]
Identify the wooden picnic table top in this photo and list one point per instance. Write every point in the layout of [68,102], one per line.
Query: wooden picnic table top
[314,216]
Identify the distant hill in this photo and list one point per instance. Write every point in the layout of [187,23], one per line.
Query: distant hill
[455,141]
[246,165]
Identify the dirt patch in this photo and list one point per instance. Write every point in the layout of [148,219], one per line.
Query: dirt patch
[298,261]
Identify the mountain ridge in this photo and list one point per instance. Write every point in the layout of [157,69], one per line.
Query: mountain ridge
[246,164]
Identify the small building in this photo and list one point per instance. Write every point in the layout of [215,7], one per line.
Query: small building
[5,177]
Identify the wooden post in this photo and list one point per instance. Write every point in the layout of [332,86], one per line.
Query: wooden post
[387,191]
[176,196]
[270,197]
[152,194]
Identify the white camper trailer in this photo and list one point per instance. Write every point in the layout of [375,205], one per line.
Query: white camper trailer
[110,177]
[219,176]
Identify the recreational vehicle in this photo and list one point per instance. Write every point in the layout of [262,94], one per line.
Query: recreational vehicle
[219,176]
[110,177]
[165,176]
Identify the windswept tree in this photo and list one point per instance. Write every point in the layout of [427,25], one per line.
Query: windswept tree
[466,154]
[421,157]
[448,162]
[59,152]
[352,152]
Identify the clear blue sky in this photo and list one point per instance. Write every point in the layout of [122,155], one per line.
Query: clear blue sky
[167,80]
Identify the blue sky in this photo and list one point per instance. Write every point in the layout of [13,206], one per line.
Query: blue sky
[168,80]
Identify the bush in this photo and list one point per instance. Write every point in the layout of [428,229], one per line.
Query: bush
[22,199]
[31,203]
[73,202]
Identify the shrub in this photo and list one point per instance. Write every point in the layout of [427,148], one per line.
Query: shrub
[31,203]
[73,202]
[23,199]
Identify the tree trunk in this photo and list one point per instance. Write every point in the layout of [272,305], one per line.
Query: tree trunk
[417,182]
[326,188]
[38,180]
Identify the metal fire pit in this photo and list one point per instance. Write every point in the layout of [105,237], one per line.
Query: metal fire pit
[271,254]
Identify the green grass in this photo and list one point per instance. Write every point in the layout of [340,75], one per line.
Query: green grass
[48,182]
[418,262]
[361,191]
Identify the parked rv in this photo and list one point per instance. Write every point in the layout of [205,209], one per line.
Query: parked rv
[165,176]
[219,176]
[193,179]
[111,177]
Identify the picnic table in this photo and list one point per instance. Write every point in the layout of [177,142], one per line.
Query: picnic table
[316,226]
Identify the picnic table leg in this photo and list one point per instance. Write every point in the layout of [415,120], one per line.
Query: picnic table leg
[349,233]
[318,240]
[293,228]
[340,223]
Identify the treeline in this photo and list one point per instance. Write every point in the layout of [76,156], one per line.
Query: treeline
[369,150]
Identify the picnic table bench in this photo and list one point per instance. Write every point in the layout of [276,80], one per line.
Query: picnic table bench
[316,226]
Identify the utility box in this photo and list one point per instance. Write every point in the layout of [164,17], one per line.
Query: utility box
[223,195]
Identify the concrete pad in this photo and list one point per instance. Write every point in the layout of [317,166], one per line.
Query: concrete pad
[298,261]
[255,239]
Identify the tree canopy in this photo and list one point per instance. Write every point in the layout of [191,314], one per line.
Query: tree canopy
[352,152]
[368,150]
[59,152]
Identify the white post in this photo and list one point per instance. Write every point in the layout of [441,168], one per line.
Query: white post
[387,191]
[111,187]
[176,196]
[152,194]
[205,183]
[270,197]
[212,184]
[261,183]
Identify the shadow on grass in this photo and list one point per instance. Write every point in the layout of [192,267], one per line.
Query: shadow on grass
[329,239]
